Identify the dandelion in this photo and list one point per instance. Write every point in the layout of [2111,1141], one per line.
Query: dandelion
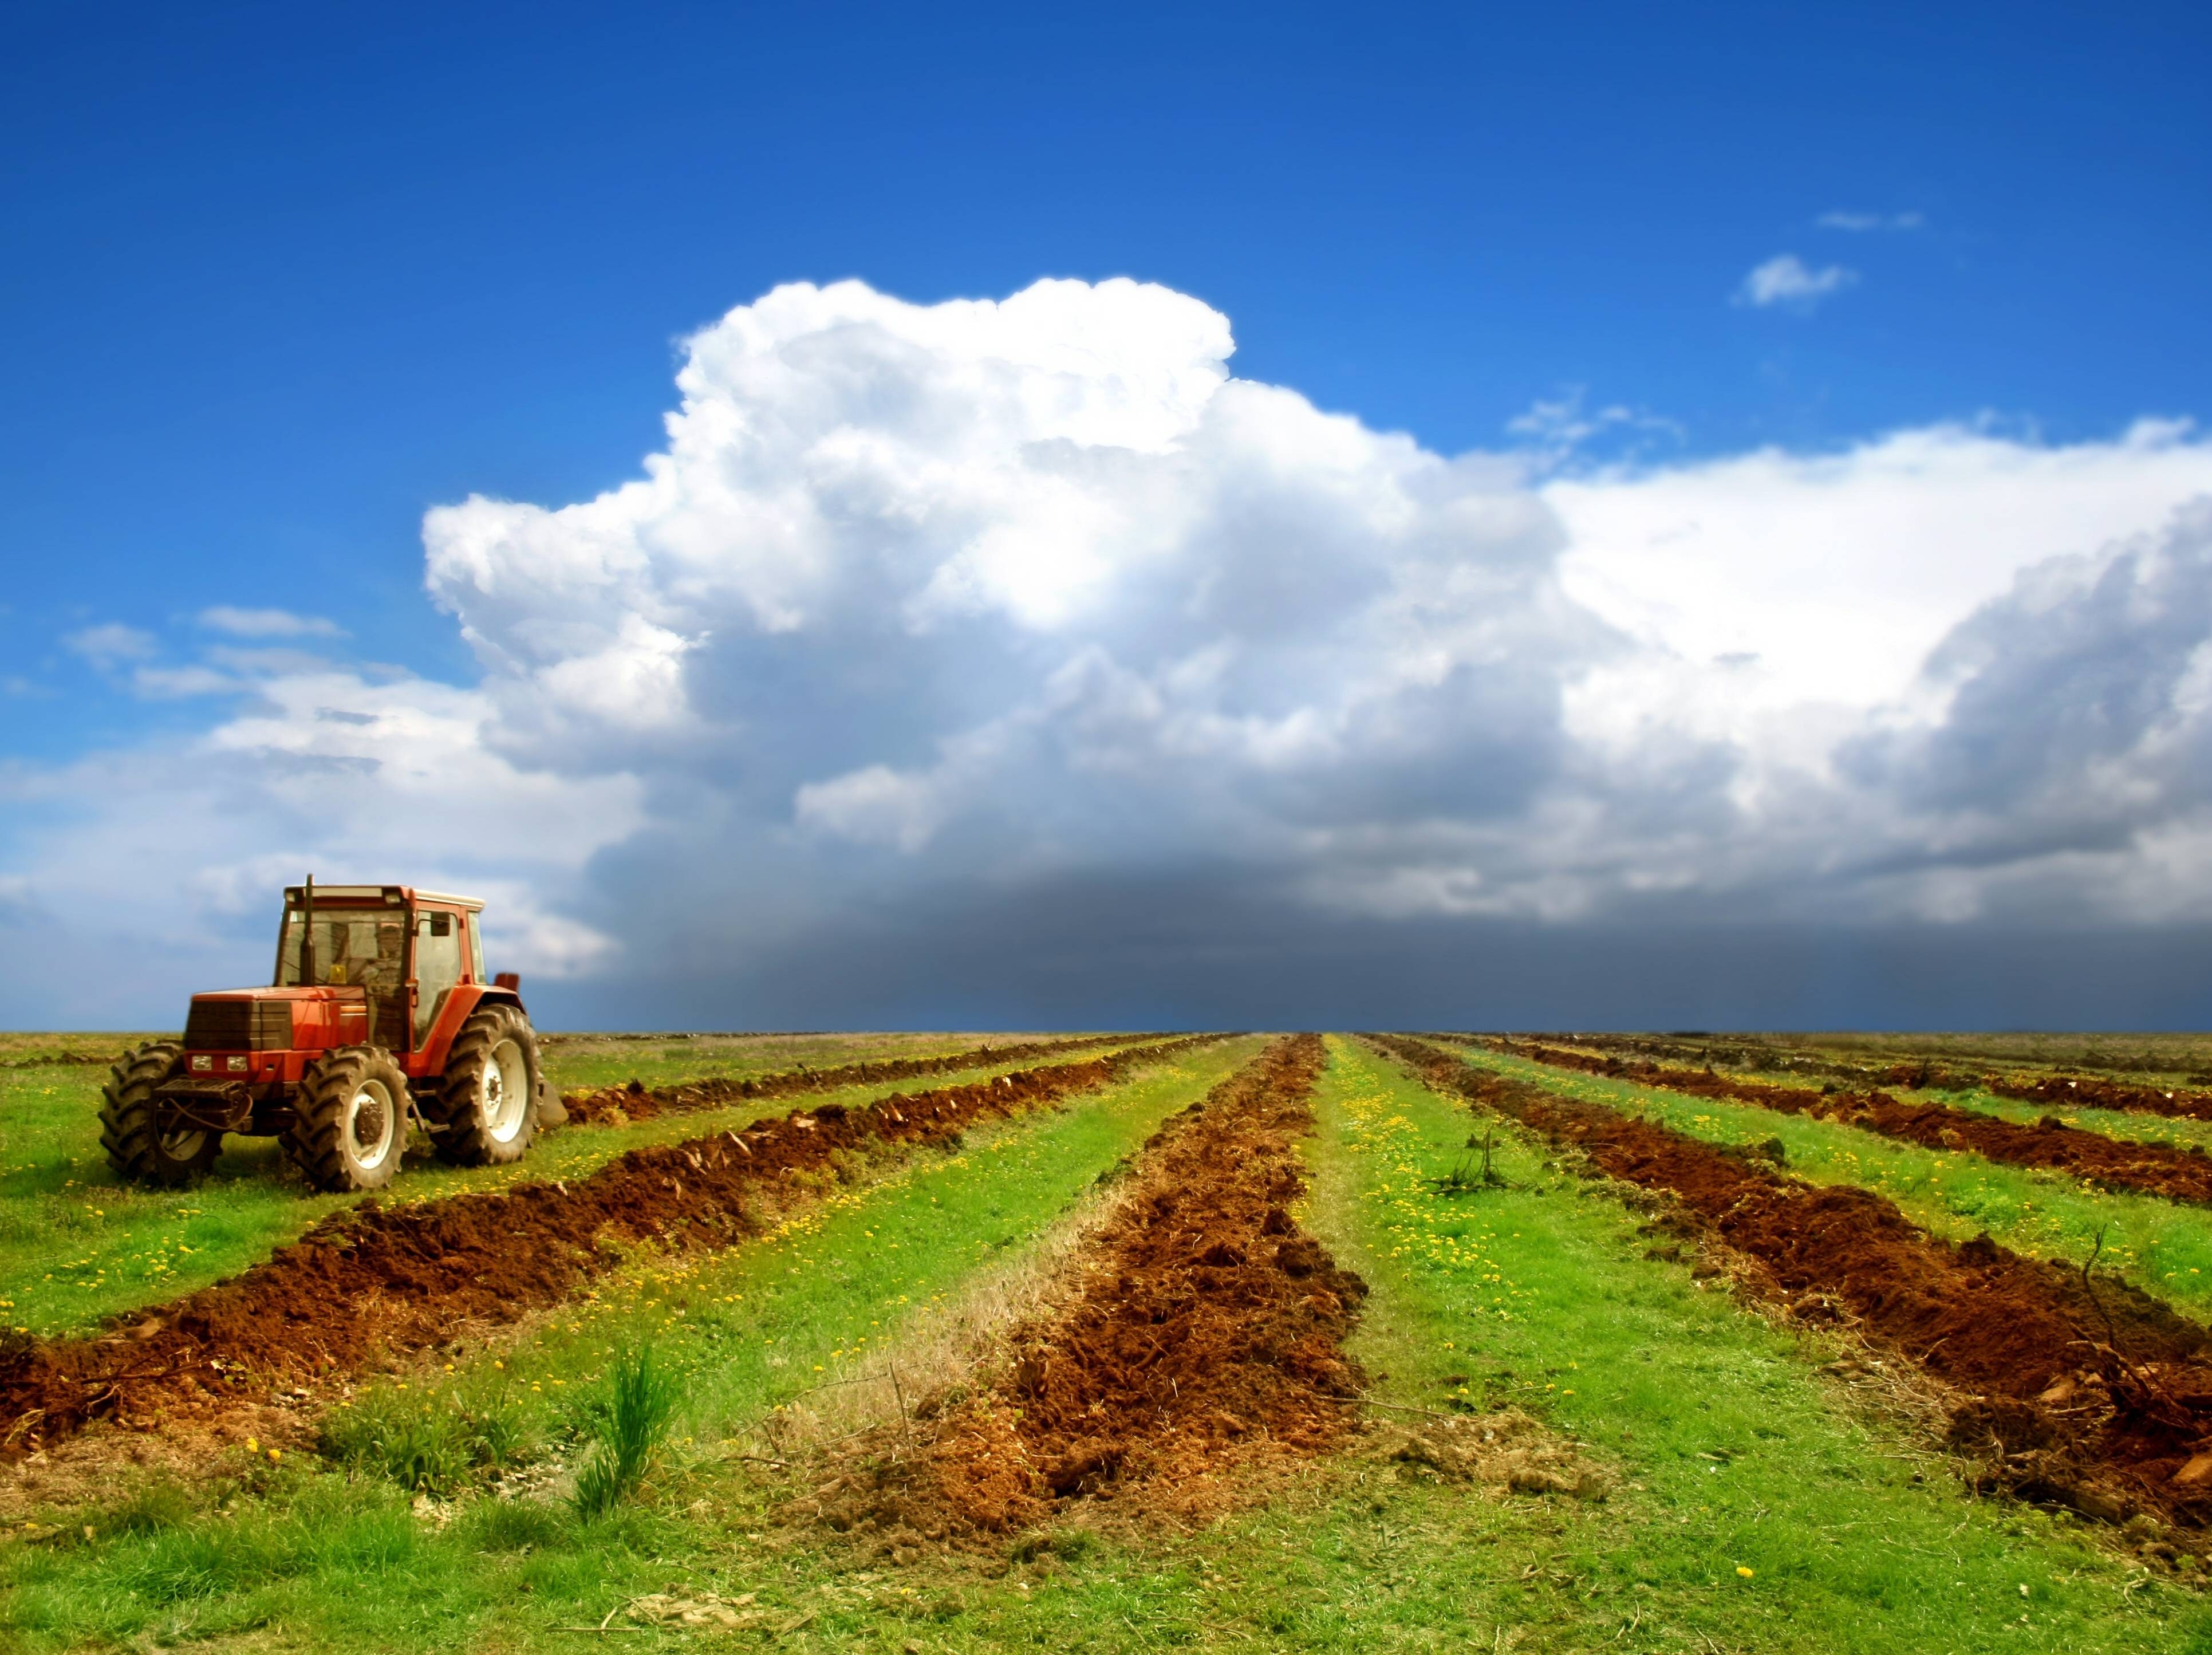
[1745,1572]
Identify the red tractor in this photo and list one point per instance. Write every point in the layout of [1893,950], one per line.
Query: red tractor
[379,1019]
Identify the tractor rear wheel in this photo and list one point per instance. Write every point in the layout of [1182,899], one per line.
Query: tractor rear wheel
[485,1111]
[130,1123]
[350,1122]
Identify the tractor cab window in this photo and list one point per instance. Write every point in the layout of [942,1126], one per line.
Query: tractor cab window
[360,948]
[437,966]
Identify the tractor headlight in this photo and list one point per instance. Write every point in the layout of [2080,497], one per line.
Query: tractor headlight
[238,1065]
[202,1065]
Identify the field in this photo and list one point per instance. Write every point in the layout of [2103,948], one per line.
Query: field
[961,1342]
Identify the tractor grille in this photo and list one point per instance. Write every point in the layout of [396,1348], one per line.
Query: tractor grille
[239,1025]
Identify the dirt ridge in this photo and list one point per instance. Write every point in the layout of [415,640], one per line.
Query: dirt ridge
[634,1101]
[2090,1394]
[378,1280]
[2071,1091]
[1204,1330]
[2174,1173]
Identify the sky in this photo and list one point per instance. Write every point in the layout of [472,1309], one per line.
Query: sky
[861,516]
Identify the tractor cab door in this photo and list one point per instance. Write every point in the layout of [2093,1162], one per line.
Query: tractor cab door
[438,944]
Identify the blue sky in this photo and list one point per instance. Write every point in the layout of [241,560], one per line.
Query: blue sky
[281,280]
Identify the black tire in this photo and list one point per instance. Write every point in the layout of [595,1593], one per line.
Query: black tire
[129,1127]
[349,1123]
[484,1112]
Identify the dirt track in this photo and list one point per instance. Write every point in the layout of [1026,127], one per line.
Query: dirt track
[636,1101]
[2175,1173]
[2099,1396]
[376,1280]
[1204,1330]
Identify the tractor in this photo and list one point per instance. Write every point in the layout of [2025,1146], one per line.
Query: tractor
[379,1019]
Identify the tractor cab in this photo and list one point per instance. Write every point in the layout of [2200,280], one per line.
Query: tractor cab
[378,993]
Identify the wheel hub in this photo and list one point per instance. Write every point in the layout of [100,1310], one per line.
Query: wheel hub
[506,1091]
[369,1126]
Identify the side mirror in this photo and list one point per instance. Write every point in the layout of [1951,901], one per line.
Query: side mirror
[508,980]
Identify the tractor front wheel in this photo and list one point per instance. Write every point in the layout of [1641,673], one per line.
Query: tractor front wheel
[349,1123]
[129,1125]
[485,1111]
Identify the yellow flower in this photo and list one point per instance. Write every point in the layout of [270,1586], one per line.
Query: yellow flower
[1744,1572]
[275,1454]
[251,1446]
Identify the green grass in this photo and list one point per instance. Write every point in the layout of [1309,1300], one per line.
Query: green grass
[338,1561]
[2163,1247]
[76,1246]
[34,1050]
[642,1397]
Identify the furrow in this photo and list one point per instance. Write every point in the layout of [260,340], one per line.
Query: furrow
[1200,1331]
[2079,1390]
[2174,1172]
[376,1280]
[1950,1074]
[608,1105]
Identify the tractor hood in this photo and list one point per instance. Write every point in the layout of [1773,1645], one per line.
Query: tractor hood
[277,1020]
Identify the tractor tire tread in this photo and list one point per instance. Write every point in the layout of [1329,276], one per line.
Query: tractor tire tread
[458,1130]
[128,1131]
[318,1116]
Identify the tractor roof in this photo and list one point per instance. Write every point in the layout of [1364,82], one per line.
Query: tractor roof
[392,896]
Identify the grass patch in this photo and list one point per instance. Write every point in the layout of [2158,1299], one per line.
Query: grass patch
[434,1446]
[641,1402]
[2161,1246]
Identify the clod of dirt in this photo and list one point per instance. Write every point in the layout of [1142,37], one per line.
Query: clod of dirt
[2002,1328]
[1506,1449]
[1203,1333]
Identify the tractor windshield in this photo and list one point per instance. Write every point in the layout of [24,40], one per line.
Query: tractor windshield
[355,946]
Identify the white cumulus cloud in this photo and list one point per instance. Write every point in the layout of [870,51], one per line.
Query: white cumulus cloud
[933,610]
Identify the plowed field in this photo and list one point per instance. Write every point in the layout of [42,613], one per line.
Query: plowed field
[2177,1173]
[1089,1342]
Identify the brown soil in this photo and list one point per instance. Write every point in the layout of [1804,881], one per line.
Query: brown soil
[2066,1091]
[2097,1396]
[613,1105]
[2074,1091]
[375,1281]
[2176,1172]
[1202,1332]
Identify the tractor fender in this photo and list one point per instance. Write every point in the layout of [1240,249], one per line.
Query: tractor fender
[463,1001]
